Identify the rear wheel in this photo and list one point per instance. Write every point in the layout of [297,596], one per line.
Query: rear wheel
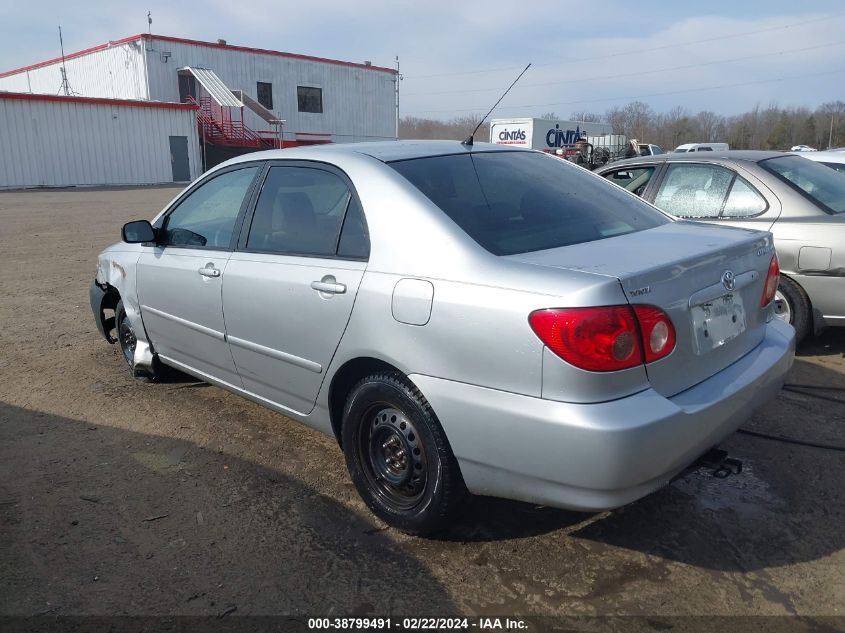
[398,455]
[793,306]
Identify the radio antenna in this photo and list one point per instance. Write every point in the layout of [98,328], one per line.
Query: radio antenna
[65,87]
[468,141]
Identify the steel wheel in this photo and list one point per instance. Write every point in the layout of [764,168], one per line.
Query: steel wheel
[394,460]
[783,310]
[398,455]
[125,336]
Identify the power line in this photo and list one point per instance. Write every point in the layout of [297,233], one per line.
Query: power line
[636,51]
[644,96]
[637,74]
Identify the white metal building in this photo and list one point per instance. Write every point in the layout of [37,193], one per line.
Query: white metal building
[320,100]
[56,141]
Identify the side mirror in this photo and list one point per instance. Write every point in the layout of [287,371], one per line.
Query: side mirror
[138,232]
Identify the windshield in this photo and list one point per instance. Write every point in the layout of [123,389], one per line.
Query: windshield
[824,186]
[519,202]
[680,150]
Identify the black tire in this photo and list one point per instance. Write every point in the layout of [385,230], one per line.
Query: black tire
[126,340]
[398,455]
[797,308]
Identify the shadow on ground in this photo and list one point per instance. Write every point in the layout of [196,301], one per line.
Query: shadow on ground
[132,523]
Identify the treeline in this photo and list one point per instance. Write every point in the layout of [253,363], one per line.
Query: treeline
[772,127]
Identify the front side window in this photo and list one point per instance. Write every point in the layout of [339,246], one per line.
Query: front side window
[519,202]
[206,217]
[824,186]
[634,180]
[265,94]
[694,191]
[309,99]
[300,211]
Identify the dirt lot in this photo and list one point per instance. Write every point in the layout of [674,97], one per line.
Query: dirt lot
[119,496]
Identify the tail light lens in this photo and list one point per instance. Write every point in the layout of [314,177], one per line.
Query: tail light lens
[657,331]
[607,338]
[771,285]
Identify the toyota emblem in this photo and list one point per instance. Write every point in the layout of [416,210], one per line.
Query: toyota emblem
[729,280]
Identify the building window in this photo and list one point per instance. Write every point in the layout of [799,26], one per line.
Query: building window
[265,94]
[310,99]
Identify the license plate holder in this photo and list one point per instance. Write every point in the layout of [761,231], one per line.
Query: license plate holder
[717,322]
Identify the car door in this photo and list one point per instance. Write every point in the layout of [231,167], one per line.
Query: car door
[180,277]
[708,192]
[290,286]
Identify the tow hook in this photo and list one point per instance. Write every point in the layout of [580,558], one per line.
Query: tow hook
[720,464]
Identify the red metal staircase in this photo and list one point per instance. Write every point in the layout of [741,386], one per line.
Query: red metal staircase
[217,127]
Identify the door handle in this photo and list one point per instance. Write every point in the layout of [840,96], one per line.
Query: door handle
[209,271]
[329,287]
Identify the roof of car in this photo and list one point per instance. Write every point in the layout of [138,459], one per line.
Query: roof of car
[385,151]
[753,156]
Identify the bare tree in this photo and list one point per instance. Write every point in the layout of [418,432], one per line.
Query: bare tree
[586,116]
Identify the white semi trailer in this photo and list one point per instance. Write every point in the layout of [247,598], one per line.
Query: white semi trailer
[544,134]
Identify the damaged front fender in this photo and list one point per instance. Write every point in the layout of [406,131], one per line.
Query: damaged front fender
[115,282]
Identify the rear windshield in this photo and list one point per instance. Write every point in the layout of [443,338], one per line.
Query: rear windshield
[519,202]
[824,186]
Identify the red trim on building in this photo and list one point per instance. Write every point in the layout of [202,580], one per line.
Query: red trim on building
[129,103]
[180,40]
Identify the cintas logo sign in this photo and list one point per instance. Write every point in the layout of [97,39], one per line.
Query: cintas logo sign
[512,135]
[556,137]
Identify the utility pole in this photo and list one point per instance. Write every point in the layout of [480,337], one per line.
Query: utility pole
[397,79]
[830,134]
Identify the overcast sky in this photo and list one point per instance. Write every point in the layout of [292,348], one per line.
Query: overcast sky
[458,56]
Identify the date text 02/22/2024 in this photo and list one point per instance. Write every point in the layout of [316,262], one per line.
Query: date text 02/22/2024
[418,624]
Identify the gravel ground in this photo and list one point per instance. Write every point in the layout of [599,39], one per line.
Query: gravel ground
[119,496]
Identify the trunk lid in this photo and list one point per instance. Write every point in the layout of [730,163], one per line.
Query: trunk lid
[681,267]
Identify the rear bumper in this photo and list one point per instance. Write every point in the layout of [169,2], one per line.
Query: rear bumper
[604,455]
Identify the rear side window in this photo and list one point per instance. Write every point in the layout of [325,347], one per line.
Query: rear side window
[743,201]
[519,202]
[694,191]
[300,211]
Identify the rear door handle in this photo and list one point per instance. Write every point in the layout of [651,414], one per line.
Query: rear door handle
[329,287]
[209,271]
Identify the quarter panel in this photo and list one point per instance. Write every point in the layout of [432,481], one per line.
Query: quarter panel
[476,334]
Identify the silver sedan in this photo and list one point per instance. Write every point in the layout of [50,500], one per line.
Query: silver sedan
[461,318]
[801,203]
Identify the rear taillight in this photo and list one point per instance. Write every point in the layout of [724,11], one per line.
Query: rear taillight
[607,338]
[771,285]
[657,331]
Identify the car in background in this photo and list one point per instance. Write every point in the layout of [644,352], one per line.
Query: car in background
[458,317]
[802,148]
[800,202]
[650,149]
[835,159]
[700,147]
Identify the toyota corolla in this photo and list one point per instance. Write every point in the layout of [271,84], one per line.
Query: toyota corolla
[461,318]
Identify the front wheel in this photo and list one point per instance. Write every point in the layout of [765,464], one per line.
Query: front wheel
[128,342]
[398,455]
[793,307]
